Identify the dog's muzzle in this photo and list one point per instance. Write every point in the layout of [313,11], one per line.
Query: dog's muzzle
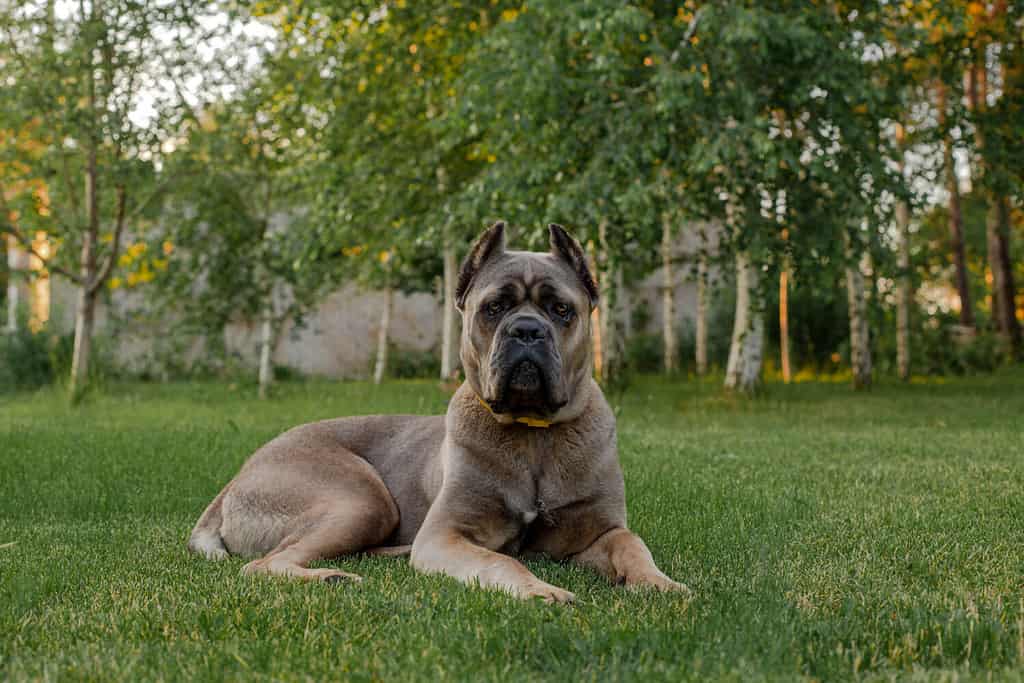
[527,368]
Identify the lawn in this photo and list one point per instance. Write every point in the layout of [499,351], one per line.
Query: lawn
[825,534]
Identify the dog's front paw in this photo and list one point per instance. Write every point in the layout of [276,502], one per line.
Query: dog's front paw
[656,580]
[548,593]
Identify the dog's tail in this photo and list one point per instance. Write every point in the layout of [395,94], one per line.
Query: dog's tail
[206,539]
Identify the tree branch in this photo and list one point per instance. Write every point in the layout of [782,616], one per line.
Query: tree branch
[26,244]
[115,245]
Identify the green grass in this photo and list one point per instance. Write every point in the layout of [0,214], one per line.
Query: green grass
[825,535]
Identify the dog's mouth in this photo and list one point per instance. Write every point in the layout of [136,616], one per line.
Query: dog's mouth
[525,378]
[525,390]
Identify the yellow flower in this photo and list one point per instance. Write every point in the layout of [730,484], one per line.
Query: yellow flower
[114,283]
[168,248]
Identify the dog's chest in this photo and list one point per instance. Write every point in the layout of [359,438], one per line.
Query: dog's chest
[552,483]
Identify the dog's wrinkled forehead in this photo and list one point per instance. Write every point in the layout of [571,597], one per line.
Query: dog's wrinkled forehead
[529,275]
[563,269]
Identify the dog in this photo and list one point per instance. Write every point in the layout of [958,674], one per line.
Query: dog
[524,463]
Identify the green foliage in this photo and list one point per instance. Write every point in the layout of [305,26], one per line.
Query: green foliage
[341,141]
[33,359]
[25,360]
[404,363]
[939,351]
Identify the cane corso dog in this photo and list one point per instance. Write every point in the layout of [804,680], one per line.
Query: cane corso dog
[524,462]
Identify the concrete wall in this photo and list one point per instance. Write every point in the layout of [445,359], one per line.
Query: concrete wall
[339,338]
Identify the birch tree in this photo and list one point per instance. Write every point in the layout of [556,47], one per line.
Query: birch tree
[384,330]
[856,293]
[746,352]
[668,306]
[701,326]
[82,76]
[247,248]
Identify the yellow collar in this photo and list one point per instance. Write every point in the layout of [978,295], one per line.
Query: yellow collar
[528,421]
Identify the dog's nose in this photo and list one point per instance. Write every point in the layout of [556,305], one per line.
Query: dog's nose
[527,330]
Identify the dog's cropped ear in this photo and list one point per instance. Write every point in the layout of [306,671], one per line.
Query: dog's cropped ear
[565,246]
[490,244]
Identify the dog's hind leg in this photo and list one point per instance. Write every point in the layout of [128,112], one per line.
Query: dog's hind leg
[206,539]
[298,511]
[333,529]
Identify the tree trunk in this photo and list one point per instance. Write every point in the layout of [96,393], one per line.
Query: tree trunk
[12,306]
[267,344]
[956,236]
[609,302]
[904,291]
[956,222]
[625,308]
[904,282]
[743,372]
[856,296]
[668,299]
[13,264]
[382,337]
[449,332]
[701,332]
[787,374]
[596,317]
[86,313]
[997,223]
[85,317]
[1004,291]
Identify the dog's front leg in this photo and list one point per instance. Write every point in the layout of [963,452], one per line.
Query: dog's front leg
[624,559]
[442,549]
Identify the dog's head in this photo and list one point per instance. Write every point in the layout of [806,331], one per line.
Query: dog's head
[526,323]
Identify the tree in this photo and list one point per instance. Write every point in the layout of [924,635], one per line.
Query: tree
[245,247]
[78,79]
[993,28]
[396,164]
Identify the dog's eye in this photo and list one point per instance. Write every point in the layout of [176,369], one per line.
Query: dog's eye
[562,310]
[494,308]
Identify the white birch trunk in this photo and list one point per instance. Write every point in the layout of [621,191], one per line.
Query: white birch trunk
[85,316]
[702,316]
[609,302]
[266,369]
[596,325]
[12,307]
[668,299]
[625,307]
[13,265]
[860,351]
[449,333]
[746,352]
[382,337]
